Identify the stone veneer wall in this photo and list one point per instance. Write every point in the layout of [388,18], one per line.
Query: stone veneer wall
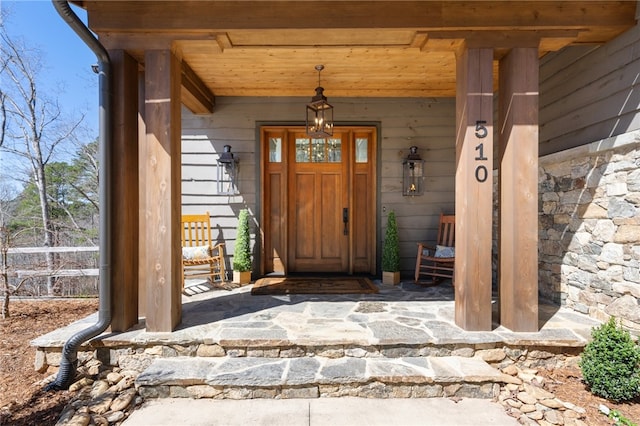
[589,229]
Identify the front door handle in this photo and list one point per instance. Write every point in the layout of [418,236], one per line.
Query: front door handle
[345,220]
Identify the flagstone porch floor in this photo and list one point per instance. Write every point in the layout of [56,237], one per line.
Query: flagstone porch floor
[405,315]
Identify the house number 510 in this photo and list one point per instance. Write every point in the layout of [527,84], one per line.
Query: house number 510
[481,170]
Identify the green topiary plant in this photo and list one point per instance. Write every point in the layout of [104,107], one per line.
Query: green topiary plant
[391,247]
[242,251]
[611,363]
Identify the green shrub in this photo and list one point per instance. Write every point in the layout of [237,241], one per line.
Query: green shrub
[611,363]
[391,248]
[242,251]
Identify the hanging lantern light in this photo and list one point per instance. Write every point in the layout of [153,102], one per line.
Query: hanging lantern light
[319,113]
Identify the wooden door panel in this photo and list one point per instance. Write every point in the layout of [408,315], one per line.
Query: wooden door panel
[304,216]
[362,236]
[332,246]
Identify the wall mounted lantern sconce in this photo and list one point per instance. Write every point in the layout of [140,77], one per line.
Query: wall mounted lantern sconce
[227,173]
[319,113]
[412,173]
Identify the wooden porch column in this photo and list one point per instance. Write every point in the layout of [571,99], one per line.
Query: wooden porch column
[474,193]
[518,228]
[162,199]
[124,189]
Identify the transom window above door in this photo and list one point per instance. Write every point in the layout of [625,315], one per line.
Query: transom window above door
[318,150]
[314,150]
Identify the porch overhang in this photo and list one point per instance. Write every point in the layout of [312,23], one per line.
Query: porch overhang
[192,51]
[269,48]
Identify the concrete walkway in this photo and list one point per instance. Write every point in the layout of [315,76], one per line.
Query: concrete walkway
[320,412]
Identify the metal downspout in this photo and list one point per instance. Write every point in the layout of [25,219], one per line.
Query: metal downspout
[69,361]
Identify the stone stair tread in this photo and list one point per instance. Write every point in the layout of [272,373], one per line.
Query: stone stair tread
[279,372]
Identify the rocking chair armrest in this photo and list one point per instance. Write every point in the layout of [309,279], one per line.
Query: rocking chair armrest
[424,246]
[219,247]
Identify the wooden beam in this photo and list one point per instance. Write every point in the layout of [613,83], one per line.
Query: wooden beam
[228,15]
[474,188]
[518,228]
[195,94]
[141,41]
[124,189]
[162,203]
[502,39]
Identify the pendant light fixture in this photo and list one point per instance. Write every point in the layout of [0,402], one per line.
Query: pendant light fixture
[319,113]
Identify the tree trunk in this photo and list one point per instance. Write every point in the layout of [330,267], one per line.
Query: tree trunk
[41,182]
[6,293]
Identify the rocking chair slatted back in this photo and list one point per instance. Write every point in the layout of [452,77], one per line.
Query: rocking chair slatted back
[207,263]
[446,230]
[429,261]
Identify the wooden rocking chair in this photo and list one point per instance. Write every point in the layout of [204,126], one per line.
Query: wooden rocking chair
[438,262]
[200,258]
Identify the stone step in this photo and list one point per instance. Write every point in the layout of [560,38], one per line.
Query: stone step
[312,377]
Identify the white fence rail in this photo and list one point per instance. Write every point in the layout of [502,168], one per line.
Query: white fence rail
[61,272]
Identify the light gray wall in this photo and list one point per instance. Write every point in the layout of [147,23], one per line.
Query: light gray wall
[427,123]
[589,93]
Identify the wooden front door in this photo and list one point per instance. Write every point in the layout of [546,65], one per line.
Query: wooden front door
[318,201]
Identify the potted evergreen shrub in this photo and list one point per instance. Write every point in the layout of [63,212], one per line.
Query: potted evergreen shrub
[391,252]
[242,251]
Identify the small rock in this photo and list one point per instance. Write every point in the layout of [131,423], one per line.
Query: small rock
[570,414]
[536,415]
[574,422]
[66,415]
[99,387]
[554,417]
[40,363]
[99,420]
[85,381]
[527,398]
[552,403]
[573,407]
[123,400]
[511,370]
[538,392]
[101,404]
[210,351]
[513,403]
[79,419]
[526,377]
[491,355]
[527,408]
[113,378]
[124,383]
[114,416]
[93,370]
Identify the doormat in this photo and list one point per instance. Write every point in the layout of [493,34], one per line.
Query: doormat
[308,285]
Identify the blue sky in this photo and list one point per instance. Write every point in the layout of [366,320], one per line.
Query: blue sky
[67,60]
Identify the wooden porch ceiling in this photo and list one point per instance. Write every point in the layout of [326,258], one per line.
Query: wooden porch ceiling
[368,48]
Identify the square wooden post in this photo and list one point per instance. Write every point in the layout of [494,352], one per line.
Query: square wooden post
[474,192]
[142,175]
[162,196]
[124,191]
[518,228]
